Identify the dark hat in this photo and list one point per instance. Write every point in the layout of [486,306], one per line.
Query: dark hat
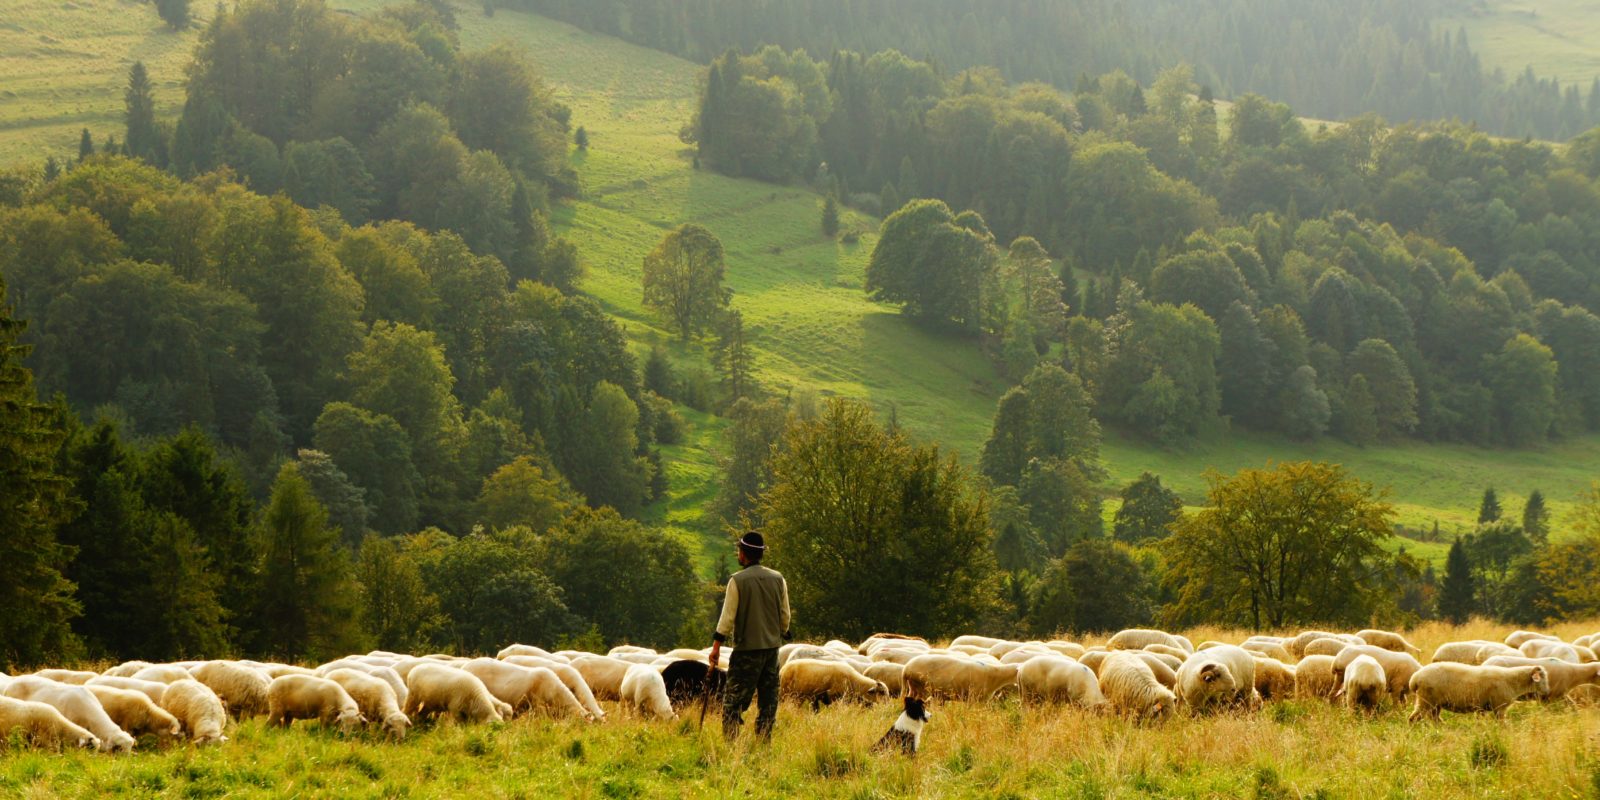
[752,541]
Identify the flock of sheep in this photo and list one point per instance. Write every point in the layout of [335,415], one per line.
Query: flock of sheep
[1139,674]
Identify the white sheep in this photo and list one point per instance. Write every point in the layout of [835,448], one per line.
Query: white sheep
[1055,678]
[292,697]
[162,673]
[932,675]
[526,688]
[1313,678]
[1463,687]
[974,640]
[1220,677]
[1268,649]
[801,650]
[75,677]
[892,676]
[275,670]
[243,689]
[1516,639]
[823,682]
[126,669]
[197,708]
[1069,649]
[631,648]
[1297,645]
[1138,638]
[151,689]
[1388,640]
[1545,648]
[441,689]
[645,692]
[375,697]
[1275,680]
[1563,676]
[523,650]
[382,672]
[1365,684]
[1177,653]
[135,712]
[1325,646]
[43,724]
[603,674]
[1472,652]
[1132,689]
[77,704]
[570,677]
[1398,667]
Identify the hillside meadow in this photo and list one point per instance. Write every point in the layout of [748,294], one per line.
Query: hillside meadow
[812,327]
[1298,748]
[1559,38]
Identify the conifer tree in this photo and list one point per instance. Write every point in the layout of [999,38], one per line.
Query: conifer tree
[143,140]
[830,217]
[308,598]
[1456,596]
[1489,507]
[1536,519]
[85,145]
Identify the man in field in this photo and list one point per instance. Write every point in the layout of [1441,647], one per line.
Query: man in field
[755,615]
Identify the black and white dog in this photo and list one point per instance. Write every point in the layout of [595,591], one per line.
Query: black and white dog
[907,731]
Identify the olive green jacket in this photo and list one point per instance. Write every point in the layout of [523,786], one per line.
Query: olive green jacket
[755,613]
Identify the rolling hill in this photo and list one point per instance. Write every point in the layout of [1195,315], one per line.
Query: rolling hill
[812,327]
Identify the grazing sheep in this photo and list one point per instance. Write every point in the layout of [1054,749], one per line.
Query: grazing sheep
[292,697]
[1388,640]
[1516,639]
[686,682]
[603,674]
[1139,638]
[1463,687]
[1563,676]
[375,698]
[1023,654]
[1313,678]
[1589,640]
[999,649]
[823,682]
[274,670]
[383,673]
[1325,646]
[644,692]
[570,678]
[1095,658]
[523,650]
[151,689]
[877,640]
[1132,689]
[1220,677]
[892,676]
[1058,679]
[198,709]
[1297,645]
[1275,680]
[691,654]
[1365,684]
[1168,650]
[404,666]
[135,712]
[803,650]
[1397,667]
[162,673]
[439,689]
[43,724]
[243,689]
[897,655]
[1586,655]
[841,647]
[526,688]
[932,675]
[974,640]
[1268,649]
[640,658]
[77,704]
[1165,672]
[1069,649]
[630,648]
[1544,648]
[70,676]
[126,669]
[1208,644]
[1472,652]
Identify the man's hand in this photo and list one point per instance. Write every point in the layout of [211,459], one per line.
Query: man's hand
[716,653]
[787,635]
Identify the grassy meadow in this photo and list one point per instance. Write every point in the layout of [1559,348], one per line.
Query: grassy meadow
[1297,748]
[1558,38]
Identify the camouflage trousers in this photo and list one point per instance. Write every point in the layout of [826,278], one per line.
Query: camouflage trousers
[751,673]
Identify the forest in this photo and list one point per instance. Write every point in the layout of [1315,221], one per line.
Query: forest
[1392,57]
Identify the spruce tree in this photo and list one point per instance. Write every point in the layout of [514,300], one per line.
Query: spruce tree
[174,12]
[143,140]
[52,169]
[581,138]
[36,600]
[1536,519]
[1456,596]
[85,145]
[308,597]
[1489,508]
[830,217]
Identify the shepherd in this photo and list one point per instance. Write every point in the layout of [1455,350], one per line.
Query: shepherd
[755,616]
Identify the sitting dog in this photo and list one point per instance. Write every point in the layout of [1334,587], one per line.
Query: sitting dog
[907,731]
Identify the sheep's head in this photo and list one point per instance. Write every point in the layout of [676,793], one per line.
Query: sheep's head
[88,741]
[348,720]
[397,724]
[1209,673]
[1541,680]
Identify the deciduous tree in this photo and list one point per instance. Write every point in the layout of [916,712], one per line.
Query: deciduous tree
[683,279]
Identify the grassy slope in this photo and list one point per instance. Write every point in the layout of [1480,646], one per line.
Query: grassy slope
[64,65]
[1558,38]
[800,293]
[1301,748]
